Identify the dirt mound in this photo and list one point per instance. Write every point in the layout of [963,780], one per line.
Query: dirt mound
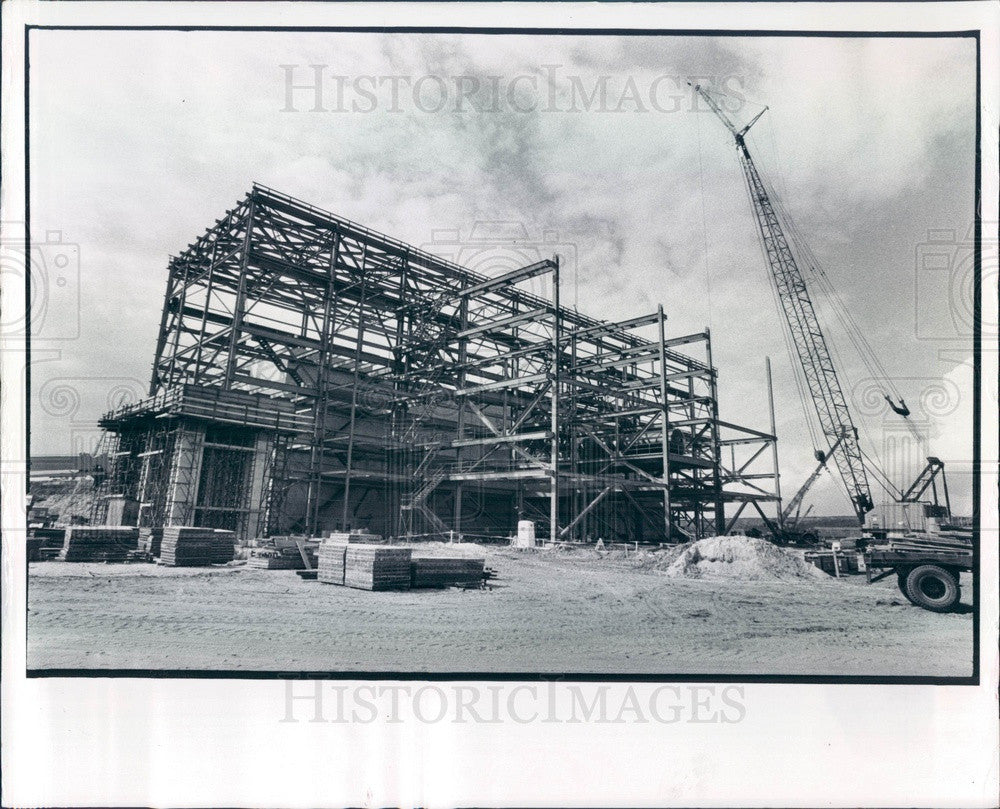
[740,557]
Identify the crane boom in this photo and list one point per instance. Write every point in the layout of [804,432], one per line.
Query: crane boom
[807,336]
[794,506]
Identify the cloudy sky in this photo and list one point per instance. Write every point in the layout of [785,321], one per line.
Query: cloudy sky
[592,147]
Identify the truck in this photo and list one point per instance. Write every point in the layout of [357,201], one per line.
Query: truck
[924,548]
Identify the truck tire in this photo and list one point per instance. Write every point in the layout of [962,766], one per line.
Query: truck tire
[901,581]
[933,588]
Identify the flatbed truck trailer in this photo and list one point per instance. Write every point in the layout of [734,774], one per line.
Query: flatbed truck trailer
[927,576]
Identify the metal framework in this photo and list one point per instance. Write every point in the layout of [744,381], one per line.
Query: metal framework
[421,398]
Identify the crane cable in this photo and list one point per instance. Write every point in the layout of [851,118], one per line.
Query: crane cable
[803,251]
[846,320]
[798,373]
[842,313]
[704,223]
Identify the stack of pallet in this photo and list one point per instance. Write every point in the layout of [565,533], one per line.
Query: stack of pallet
[377,567]
[99,543]
[187,546]
[446,571]
[332,555]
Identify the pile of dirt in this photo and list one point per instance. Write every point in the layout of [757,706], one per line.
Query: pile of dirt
[740,557]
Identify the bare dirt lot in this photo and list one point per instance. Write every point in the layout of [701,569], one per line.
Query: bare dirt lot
[549,611]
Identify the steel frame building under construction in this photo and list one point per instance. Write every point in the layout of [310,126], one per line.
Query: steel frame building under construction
[311,374]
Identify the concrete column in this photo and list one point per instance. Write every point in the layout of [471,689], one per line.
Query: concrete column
[185,473]
[260,474]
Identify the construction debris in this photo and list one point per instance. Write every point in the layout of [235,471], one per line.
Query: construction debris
[99,543]
[185,546]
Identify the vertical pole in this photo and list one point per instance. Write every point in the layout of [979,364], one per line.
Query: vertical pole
[321,403]
[947,497]
[241,293]
[463,352]
[203,329]
[161,340]
[359,346]
[664,425]
[577,493]
[556,323]
[720,508]
[393,456]
[182,298]
[774,445]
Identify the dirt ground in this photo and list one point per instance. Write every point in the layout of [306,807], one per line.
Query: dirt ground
[548,611]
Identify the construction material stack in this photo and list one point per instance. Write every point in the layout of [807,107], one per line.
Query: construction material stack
[332,555]
[439,571]
[99,543]
[377,567]
[188,546]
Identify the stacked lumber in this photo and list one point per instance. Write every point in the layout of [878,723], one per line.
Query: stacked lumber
[361,536]
[275,560]
[188,546]
[332,555]
[936,542]
[377,567]
[446,571]
[99,543]
[155,540]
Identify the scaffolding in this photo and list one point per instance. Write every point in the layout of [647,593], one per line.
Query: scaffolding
[414,397]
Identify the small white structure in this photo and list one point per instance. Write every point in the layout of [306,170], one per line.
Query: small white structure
[525,534]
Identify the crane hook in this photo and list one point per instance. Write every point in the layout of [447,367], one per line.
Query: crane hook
[900,408]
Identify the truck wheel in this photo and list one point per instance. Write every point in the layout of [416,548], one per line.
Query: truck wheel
[901,581]
[933,588]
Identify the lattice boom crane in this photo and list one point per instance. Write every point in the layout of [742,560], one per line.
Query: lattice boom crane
[810,344]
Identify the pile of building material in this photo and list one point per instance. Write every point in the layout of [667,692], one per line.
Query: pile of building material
[363,565]
[45,544]
[377,567]
[187,546]
[99,543]
[285,553]
[740,557]
[368,566]
[332,555]
[444,571]
[150,540]
[272,559]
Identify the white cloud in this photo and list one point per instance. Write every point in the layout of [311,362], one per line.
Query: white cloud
[141,140]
